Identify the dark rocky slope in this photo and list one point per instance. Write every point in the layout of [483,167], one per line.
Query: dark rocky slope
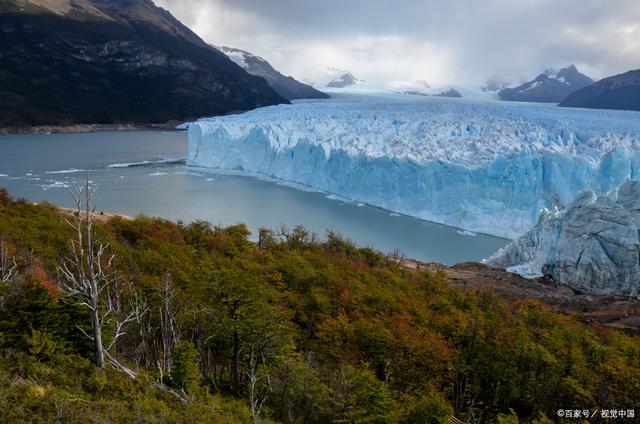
[616,92]
[121,61]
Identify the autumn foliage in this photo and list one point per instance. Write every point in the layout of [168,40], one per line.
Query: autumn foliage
[291,330]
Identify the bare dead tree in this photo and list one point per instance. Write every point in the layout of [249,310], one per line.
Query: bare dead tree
[180,397]
[255,401]
[8,264]
[123,314]
[89,275]
[265,238]
[169,331]
[283,232]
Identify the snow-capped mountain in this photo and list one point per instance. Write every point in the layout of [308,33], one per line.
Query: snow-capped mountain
[485,167]
[616,92]
[418,87]
[345,79]
[591,245]
[331,77]
[423,88]
[549,87]
[340,81]
[286,86]
[497,84]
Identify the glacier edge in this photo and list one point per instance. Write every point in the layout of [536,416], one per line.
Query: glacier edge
[437,161]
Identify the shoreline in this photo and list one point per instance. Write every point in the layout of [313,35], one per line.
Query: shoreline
[99,216]
[621,313]
[91,128]
[86,128]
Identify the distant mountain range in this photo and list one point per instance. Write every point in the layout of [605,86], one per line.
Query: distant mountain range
[617,92]
[286,86]
[548,87]
[495,85]
[423,88]
[113,61]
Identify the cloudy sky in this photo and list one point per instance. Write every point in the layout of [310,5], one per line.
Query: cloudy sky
[440,41]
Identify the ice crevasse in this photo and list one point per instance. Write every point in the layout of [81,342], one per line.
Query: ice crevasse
[486,166]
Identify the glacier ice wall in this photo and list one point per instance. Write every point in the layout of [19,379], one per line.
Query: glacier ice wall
[486,167]
[592,245]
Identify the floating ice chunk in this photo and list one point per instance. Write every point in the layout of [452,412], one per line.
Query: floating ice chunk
[467,233]
[67,171]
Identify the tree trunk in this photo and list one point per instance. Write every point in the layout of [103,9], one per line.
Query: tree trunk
[97,337]
[234,363]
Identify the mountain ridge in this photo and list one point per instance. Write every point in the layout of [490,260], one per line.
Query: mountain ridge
[130,62]
[548,87]
[286,86]
[620,91]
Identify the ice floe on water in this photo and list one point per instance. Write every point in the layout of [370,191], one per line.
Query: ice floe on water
[55,184]
[467,233]
[67,171]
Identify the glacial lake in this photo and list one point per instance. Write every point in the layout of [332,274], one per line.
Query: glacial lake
[143,172]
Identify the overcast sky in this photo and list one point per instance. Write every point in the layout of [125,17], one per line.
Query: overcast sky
[440,41]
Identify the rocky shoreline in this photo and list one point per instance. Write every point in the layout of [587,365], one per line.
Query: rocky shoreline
[86,128]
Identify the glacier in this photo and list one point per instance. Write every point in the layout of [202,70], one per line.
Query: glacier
[487,167]
[592,245]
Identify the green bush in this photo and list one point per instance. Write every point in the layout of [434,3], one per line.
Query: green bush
[185,374]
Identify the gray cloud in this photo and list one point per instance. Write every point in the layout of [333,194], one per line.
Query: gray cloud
[458,41]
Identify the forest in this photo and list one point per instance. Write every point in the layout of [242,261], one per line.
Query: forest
[117,320]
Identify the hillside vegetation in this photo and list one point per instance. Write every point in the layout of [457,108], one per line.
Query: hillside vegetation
[289,329]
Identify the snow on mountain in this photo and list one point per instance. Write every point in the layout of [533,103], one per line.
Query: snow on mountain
[239,57]
[335,79]
[483,166]
[285,86]
[414,88]
[418,87]
[551,86]
[592,245]
[343,80]
[422,88]
[497,84]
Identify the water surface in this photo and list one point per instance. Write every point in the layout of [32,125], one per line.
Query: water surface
[143,172]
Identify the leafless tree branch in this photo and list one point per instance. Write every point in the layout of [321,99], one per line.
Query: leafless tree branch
[8,264]
[88,274]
